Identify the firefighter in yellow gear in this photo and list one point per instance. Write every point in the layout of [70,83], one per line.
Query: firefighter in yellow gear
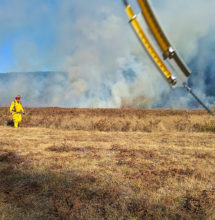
[16,110]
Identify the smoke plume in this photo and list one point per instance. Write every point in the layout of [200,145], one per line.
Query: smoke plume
[94,58]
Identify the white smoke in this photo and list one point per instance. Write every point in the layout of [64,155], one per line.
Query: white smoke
[95,45]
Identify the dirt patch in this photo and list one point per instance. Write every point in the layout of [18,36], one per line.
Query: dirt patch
[197,205]
[69,148]
[11,157]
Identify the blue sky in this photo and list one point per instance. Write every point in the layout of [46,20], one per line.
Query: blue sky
[31,27]
[26,23]
[6,56]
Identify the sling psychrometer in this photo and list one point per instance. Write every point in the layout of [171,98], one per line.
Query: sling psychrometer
[166,58]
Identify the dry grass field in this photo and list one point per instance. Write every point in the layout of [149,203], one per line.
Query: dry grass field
[107,164]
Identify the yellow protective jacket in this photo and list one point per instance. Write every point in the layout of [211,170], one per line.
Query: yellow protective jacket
[16,107]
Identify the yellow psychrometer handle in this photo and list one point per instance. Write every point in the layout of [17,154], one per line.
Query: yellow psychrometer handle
[160,37]
[154,26]
[149,48]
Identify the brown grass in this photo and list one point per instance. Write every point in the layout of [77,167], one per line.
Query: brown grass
[115,119]
[108,164]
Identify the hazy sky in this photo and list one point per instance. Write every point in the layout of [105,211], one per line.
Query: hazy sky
[41,34]
[92,41]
